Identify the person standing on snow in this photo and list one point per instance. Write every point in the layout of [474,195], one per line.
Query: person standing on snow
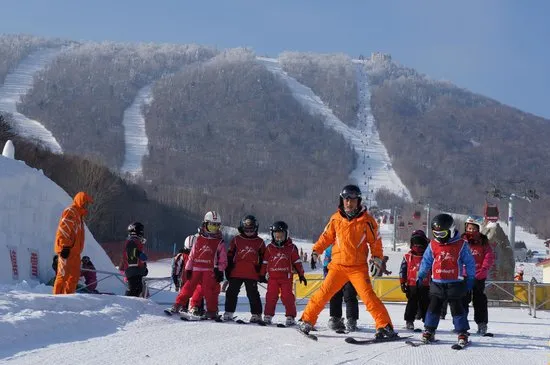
[206,264]
[90,275]
[281,259]
[445,257]
[418,298]
[69,244]
[354,233]
[246,251]
[134,259]
[348,295]
[484,259]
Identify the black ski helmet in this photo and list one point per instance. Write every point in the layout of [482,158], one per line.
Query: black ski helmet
[279,226]
[418,238]
[350,191]
[136,229]
[443,227]
[248,221]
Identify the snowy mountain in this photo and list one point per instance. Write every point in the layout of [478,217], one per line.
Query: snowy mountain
[17,83]
[373,170]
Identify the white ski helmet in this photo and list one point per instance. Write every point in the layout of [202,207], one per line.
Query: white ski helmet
[475,220]
[212,217]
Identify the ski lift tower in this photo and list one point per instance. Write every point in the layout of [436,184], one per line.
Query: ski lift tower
[529,195]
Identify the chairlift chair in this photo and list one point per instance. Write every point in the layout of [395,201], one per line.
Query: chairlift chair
[401,225]
[491,212]
[417,214]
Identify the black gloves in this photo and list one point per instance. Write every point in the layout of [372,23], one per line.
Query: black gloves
[65,252]
[262,279]
[218,274]
[419,281]
[404,287]
[188,274]
[303,280]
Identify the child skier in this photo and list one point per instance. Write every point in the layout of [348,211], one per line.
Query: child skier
[484,259]
[280,260]
[418,298]
[445,256]
[207,261]
[244,261]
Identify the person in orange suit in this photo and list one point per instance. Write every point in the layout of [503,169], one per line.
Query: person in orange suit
[69,244]
[354,233]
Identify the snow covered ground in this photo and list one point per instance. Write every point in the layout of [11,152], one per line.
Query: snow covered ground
[101,329]
[372,157]
[135,136]
[17,83]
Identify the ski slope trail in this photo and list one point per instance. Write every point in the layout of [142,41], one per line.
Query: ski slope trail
[18,83]
[372,172]
[135,135]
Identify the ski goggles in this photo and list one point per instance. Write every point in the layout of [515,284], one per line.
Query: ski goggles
[213,227]
[349,196]
[440,234]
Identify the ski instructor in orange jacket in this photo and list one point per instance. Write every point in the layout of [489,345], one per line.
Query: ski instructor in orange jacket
[353,232]
[69,244]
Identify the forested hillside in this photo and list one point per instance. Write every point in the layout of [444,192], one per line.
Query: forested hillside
[450,146]
[82,95]
[227,135]
[13,48]
[331,76]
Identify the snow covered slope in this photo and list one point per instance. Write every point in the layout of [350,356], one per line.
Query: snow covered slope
[30,208]
[135,136]
[17,83]
[89,329]
[374,169]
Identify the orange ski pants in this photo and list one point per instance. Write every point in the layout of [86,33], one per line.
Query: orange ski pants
[68,274]
[338,275]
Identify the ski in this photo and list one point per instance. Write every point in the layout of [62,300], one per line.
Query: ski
[488,334]
[189,317]
[457,346]
[354,341]
[412,330]
[279,325]
[308,335]
[419,343]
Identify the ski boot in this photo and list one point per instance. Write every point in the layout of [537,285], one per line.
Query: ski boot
[194,311]
[305,327]
[255,318]
[175,309]
[351,325]
[409,325]
[462,339]
[268,319]
[290,321]
[482,328]
[228,316]
[385,332]
[428,335]
[336,324]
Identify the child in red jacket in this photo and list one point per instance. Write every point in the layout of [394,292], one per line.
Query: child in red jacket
[245,254]
[418,298]
[280,260]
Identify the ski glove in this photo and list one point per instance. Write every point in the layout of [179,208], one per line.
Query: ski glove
[375,266]
[404,287]
[188,274]
[219,275]
[262,279]
[419,281]
[303,280]
[142,256]
[65,252]
[314,256]
[469,284]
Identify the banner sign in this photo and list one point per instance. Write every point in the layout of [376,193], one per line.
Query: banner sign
[13,259]
[34,264]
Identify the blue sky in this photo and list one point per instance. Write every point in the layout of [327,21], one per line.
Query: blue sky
[494,47]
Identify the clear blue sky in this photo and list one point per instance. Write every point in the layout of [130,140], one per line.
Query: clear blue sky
[499,48]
